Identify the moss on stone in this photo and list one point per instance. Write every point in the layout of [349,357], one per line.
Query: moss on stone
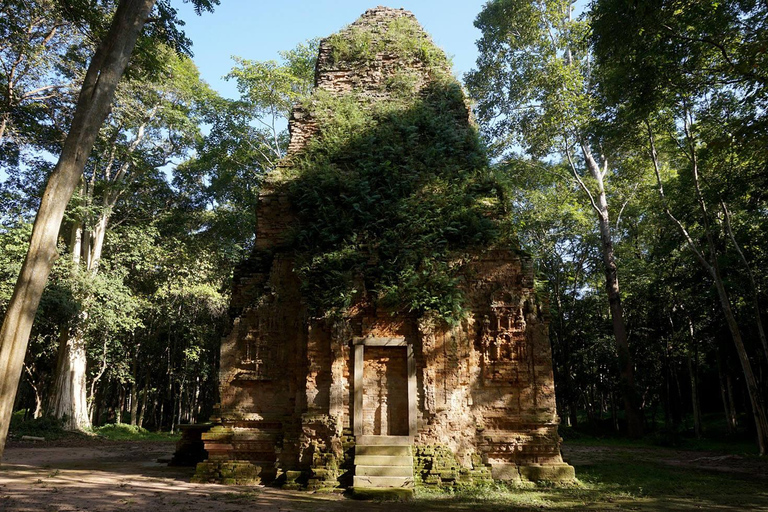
[360,43]
[436,465]
[382,494]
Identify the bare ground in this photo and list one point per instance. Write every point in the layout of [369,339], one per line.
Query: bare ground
[126,476]
[123,476]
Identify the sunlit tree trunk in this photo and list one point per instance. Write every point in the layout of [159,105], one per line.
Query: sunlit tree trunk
[36,389]
[68,399]
[4,117]
[599,203]
[94,102]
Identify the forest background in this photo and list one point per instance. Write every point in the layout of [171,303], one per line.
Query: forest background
[628,143]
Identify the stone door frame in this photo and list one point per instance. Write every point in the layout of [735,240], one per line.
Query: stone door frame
[378,341]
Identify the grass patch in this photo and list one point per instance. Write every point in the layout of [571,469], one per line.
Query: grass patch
[52,430]
[46,427]
[737,446]
[617,484]
[125,432]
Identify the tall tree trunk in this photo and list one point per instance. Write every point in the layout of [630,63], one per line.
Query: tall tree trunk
[677,411]
[68,395]
[599,202]
[176,406]
[754,289]
[94,102]
[734,415]
[692,369]
[756,398]
[144,397]
[135,387]
[120,403]
[68,399]
[694,396]
[730,427]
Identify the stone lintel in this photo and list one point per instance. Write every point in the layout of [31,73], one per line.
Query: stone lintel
[380,341]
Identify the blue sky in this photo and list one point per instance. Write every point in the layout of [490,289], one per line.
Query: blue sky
[258,30]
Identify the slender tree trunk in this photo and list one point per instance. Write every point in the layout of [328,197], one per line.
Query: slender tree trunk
[730,427]
[93,105]
[712,266]
[135,388]
[756,398]
[96,405]
[754,289]
[692,370]
[176,406]
[734,416]
[36,387]
[677,417]
[134,404]
[120,402]
[666,395]
[144,397]
[694,396]
[96,378]
[4,117]
[626,367]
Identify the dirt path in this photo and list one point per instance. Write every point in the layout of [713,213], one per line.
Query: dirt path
[123,476]
[127,477]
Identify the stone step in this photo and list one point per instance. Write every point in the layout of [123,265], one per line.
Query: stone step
[384,440]
[383,460]
[384,471]
[405,482]
[382,450]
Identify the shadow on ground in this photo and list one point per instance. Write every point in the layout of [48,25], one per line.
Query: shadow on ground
[127,477]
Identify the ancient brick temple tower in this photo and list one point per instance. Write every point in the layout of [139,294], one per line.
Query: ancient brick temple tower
[376,400]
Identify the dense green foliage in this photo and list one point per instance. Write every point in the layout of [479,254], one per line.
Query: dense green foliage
[396,190]
[391,194]
[150,307]
[687,79]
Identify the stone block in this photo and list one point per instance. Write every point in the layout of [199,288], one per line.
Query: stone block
[405,482]
[292,476]
[558,473]
[505,472]
[382,450]
[383,460]
[384,471]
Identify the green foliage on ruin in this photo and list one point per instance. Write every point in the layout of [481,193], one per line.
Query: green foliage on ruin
[392,194]
[402,37]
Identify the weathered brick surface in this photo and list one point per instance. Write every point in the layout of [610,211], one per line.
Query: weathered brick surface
[484,388]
